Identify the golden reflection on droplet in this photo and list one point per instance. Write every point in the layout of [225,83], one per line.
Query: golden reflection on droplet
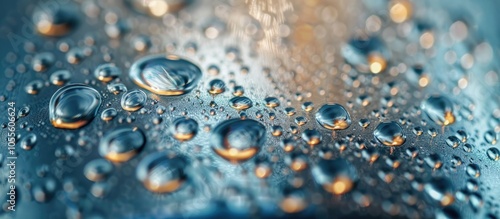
[263,171]
[341,185]
[449,118]
[447,199]
[235,155]
[293,204]
[423,81]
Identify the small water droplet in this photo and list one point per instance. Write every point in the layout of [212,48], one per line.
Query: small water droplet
[162,173]
[390,134]
[97,170]
[439,109]
[240,103]
[335,176]
[107,72]
[311,136]
[60,77]
[165,75]
[109,114]
[122,144]
[216,86]
[493,154]
[271,102]
[333,117]
[183,129]
[440,189]
[73,106]
[28,142]
[133,100]
[237,140]
[473,170]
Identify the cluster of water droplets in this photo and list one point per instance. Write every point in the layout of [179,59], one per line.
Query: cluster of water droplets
[386,136]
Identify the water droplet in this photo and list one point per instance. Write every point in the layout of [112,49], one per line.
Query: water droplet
[333,117]
[390,134]
[288,144]
[216,86]
[289,111]
[364,123]
[133,100]
[335,176]
[272,102]
[238,91]
[45,191]
[73,106]
[183,129]
[294,201]
[162,173]
[75,56]
[60,77]
[122,144]
[493,154]
[107,72]
[276,130]
[240,103]
[311,136]
[263,169]
[308,106]
[213,70]
[439,109]
[109,114]
[300,120]
[117,88]
[434,161]
[54,21]
[97,170]
[34,87]
[441,190]
[141,43]
[28,142]
[237,140]
[473,170]
[453,141]
[366,53]
[400,11]
[490,137]
[169,76]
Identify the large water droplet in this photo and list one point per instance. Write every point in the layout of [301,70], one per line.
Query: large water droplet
[73,106]
[333,117]
[122,144]
[169,76]
[238,140]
